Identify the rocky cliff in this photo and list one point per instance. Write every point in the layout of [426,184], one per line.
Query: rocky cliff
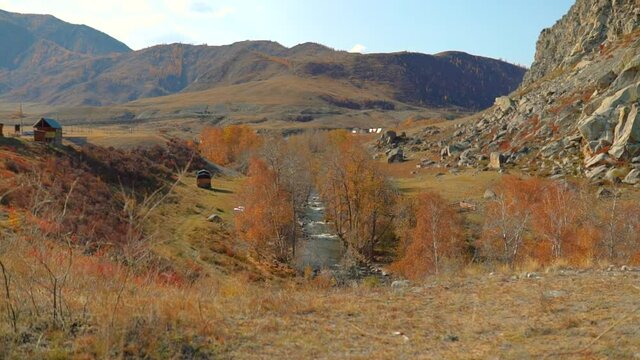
[576,114]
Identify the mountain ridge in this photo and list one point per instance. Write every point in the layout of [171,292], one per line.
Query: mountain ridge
[71,74]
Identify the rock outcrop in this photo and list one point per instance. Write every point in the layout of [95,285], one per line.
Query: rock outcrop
[576,113]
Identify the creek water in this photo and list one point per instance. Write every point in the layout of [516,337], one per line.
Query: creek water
[320,247]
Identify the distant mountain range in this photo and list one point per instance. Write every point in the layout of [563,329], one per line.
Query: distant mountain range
[47,60]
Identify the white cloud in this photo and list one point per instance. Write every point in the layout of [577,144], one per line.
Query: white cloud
[358,48]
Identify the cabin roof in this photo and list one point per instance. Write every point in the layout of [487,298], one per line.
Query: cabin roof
[51,122]
[203,172]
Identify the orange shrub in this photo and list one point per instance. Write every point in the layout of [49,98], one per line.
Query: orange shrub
[229,144]
[437,236]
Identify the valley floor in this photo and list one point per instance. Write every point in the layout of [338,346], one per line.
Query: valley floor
[560,314]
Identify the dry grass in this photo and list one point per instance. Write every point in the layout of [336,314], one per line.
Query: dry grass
[471,315]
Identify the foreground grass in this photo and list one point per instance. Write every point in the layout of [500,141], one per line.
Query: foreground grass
[563,314]
[475,317]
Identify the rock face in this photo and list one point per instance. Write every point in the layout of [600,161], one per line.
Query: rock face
[587,26]
[576,114]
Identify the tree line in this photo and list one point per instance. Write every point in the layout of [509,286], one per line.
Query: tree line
[528,219]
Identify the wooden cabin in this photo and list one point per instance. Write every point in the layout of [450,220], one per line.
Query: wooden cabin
[48,131]
[1,126]
[203,179]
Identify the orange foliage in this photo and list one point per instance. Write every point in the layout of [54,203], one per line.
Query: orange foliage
[557,217]
[358,197]
[266,221]
[437,235]
[508,217]
[229,144]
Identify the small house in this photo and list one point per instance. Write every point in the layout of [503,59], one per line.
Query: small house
[203,179]
[48,131]
[1,126]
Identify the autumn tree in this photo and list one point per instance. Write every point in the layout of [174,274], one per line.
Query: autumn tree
[266,221]
[358,197]
[619,221]
[228,145]
[290,162]
[508,217]
[274,197]
[436,236]
[557,216]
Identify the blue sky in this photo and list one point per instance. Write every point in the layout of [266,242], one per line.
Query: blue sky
[505,29]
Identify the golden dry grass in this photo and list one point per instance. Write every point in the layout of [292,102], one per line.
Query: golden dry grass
[579,315]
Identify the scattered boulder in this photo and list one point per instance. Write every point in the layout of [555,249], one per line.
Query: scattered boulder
[400,284]
[552,149]
[496,160]
[605,80]
[215,218]
[395,155]
[597,172]
[489,194]
[604,193]
[456,148]
[599,159]
[633,177]
[627,137]
[614,175]
[504,103]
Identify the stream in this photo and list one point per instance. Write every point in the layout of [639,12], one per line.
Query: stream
[320,247]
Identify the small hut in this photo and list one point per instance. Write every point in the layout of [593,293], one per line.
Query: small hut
[203,178]
[1,126]
[48,131]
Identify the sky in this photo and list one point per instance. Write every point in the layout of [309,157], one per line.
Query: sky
[505,29]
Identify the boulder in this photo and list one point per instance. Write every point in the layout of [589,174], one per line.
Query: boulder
[599,159]
[604,193]
[400,284]
[552,149]
[605,80]
[496,160]
[597,172]
[633,177]
[627,139]
[489,194]
[598,126]
[395,155]
[215,218]
[614,175]
[456,148]
[622,97]
[504,103]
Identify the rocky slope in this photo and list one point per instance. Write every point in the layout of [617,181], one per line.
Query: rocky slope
[62,64]
[576,114]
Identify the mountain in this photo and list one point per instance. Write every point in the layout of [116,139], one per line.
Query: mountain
[576,112]
[21,32]
[62,64]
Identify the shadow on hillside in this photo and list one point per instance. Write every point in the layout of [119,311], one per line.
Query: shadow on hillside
[11,142]
[223,191]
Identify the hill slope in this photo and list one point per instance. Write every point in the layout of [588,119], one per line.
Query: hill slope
[62,64]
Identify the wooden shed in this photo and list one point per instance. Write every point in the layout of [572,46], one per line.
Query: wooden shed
[47,130]
[203,179]
[1,126]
